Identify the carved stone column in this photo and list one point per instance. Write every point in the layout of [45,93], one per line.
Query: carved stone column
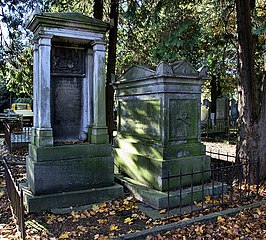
[99,129]
[89,76]
[35,88]
[44,135]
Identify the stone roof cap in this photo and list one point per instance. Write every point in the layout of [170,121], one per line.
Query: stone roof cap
[180,68]
[67,20]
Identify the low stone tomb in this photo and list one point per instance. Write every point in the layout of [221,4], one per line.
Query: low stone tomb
[159,130]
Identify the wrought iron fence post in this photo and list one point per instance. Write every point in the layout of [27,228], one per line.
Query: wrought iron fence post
[15,196]
[168,193]
[22,218]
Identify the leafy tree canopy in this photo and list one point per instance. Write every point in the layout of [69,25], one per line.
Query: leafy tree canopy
[203,31]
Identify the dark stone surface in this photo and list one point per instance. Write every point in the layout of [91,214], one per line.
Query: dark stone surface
[66,108]
[67,76]
[69,199]
[69,174]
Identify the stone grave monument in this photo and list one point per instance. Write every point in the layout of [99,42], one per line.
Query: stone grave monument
[222,108]
[70,161]
[159,131]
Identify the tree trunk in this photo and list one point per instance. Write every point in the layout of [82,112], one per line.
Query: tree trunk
[98,9]
[251,144]
[111,67]
[262,126]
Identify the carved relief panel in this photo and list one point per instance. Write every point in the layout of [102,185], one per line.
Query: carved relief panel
[183,116]
[68,61]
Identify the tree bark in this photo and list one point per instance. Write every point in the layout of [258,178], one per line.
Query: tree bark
[98,9]
[111,67]
[250,145]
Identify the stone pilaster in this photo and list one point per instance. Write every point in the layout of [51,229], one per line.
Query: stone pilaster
[35,88]
[89,76]
[44,135]
[99,129]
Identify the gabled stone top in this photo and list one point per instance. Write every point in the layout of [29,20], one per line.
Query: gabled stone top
[71,20]
[180,68]
[137,72]
[184,68]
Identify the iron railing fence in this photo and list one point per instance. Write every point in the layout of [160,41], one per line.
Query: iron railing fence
[220,126]
[15,196]
[16,135]
[229,183]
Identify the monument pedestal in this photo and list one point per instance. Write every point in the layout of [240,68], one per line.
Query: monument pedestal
[69,175]
[48,202]
[159,200]
[149,164]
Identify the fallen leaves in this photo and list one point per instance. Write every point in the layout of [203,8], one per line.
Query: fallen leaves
[248,224]
[114,227]
[64,235]
[101,221]
[220,219]
[114,218]
[128,220]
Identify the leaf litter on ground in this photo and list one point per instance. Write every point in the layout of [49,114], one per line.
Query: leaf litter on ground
[122,216]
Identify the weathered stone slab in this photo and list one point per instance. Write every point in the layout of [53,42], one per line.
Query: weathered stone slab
[222,108]
[47,202]
[64,175]
[66,108]
[159,200]
[141,118]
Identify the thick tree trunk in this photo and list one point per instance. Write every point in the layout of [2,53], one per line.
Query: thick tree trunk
[250,146]
[111,67]
[98,9]
[262,127]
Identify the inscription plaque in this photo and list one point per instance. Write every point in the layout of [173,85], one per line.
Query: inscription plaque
[183,115]
[66,108]
[141,117]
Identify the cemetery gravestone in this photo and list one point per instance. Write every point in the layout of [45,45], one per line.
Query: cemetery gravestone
[70,161]
[222,108]
[159,130]
[234,110]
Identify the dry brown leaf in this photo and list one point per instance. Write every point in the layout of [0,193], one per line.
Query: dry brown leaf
[162,211]
[128,220]
[101,221]
[114,228]
[64,235]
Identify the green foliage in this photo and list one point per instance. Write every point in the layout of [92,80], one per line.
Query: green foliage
[203,31]
[156,30]
[15,54]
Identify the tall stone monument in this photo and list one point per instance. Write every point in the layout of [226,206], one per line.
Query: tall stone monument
[70,161]
[159,130]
